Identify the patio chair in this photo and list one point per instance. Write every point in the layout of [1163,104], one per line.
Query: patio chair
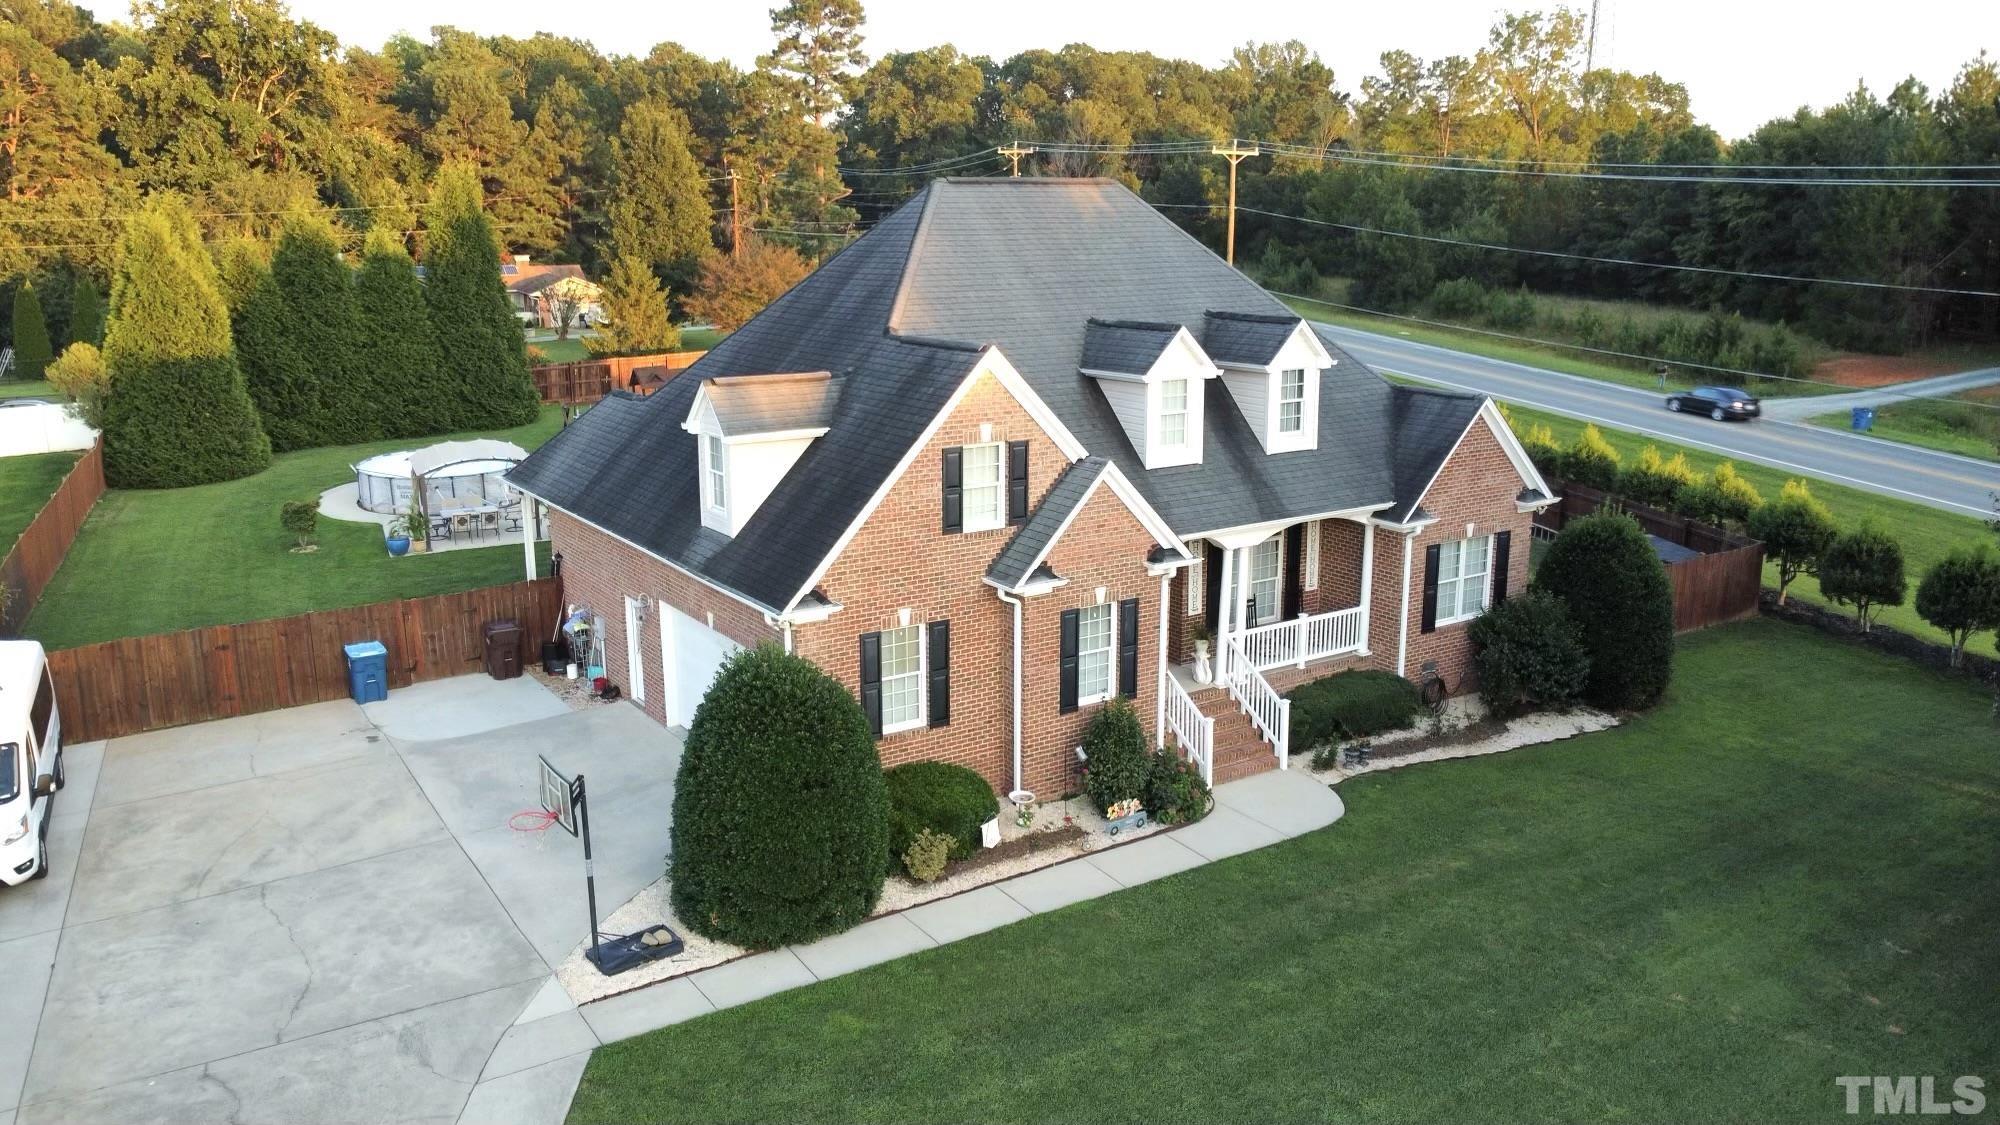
[490,521]
[462,522]
[440,526]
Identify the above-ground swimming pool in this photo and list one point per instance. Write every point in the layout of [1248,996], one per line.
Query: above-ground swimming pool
[449,470]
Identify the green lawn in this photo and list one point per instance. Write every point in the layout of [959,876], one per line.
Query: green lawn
[1565,360]
[26,483]
[572,349]
[1784,874]
[1927,534]
[30,388]
[151,561]
[1948,424]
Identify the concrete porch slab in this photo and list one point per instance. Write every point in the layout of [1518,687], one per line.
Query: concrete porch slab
[461,706]
[1053,888]
[870,943]
[961,916]
[1145,861]
[1290,801]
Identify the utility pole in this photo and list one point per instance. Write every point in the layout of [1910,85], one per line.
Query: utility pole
[735,218]
[1014,151]
[1234,152]
[1590,44]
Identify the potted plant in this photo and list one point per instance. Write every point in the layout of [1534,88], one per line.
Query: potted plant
[404,530]
[1203,671]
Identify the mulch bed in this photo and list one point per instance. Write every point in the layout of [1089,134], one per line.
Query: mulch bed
[1019,846]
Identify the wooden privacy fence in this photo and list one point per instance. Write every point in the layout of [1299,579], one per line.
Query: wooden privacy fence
[586,381]
[39,551]
[1719,583]
[167,679]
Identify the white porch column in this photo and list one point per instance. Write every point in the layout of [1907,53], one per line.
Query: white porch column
[528,532]
[1241,608]
[1160,688]
[1367,578]
[1222,612]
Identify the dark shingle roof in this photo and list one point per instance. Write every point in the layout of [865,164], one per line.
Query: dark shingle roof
[1014,562]
[1425,426]
[767,404]
[1127,347]
[1244,338]
[899,316]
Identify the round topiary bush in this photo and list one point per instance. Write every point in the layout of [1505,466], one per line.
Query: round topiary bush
[1116,766]
[1605,572]
[951,801]
[781,819]
[1529,654]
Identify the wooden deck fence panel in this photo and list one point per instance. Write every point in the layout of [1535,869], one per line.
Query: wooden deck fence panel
[36,555]
[1720,584]
[168,679]
[585,381]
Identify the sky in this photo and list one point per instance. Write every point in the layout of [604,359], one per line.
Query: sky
[1743,61]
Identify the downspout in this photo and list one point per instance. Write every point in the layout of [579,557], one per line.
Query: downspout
[1403,624]
[783,625]
[1160,688]
[1020,795]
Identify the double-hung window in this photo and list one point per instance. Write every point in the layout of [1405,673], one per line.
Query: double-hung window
[902,679]
[1291,400]
[1463,572]
[1266,563]
[1174,413]
[1094,649]
[714,477]
[985,487]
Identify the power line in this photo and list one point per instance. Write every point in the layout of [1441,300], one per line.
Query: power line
[1607,351]
[1642,165]
[1599,259]
[981,156]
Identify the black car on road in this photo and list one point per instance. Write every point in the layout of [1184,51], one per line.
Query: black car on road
[1719,403]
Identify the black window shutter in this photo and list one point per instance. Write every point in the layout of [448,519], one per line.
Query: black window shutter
[871,681]
[939,654]
[1211,597]
[1503,544]
[1431,588]
[1290,582]
[954,488]
[1128,648]
[1017,481]
[1068,660]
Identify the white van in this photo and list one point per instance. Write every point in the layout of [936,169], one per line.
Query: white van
[31,761]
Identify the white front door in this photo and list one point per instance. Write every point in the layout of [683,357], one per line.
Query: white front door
[635,653]
[692,653]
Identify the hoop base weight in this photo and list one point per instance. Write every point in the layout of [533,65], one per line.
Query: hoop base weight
[614,955]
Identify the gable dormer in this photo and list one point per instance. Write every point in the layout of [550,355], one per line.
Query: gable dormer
[1272,366]
[1152,374]
[749,431]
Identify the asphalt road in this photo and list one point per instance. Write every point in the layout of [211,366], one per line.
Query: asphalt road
[1941,480]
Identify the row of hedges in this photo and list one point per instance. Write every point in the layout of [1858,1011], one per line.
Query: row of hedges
[1722,496]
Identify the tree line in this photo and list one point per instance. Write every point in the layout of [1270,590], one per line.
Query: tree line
[667,158]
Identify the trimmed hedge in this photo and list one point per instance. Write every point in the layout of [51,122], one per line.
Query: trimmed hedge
[1529,654]
[781,816]
[950,800]
[1353,704]
[1605,571]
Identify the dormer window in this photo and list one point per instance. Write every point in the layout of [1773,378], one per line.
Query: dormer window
[715,473]
[1292,400]
[1174,414]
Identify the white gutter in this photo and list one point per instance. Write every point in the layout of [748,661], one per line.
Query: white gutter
[1020,795]
[783,625]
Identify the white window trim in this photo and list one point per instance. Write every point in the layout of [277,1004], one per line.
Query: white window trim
[1485,581]
[714,476]
[923,682]
[1282,401]
[999,518]
[1266,614]
[1110,655]
[1310,580]
[1185,413]
[1197,583]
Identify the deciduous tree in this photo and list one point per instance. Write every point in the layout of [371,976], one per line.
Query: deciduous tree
[733,288]
[1796,529]
[1864,569]
[1961,595]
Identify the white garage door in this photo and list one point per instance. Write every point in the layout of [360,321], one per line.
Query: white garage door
[691,653]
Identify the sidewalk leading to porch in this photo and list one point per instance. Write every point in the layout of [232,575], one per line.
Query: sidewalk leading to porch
[546,1054]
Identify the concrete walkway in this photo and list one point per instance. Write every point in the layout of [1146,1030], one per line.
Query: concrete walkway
[546,1049]
[1795,409]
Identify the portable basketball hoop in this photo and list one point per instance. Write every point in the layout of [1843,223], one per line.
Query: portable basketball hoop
[564,804]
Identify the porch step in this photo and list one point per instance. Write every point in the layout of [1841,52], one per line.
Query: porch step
[1239,750]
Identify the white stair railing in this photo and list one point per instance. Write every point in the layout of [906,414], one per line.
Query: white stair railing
[1193,730]
[1269,712]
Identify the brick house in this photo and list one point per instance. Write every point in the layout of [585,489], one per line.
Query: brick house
[1023,447]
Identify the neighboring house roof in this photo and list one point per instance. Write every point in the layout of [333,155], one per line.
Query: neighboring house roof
[1251,340]
[1127,347]
[903,314]
[765,404]
[530,279]
[1023,553]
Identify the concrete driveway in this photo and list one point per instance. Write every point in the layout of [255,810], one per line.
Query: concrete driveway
[320,915]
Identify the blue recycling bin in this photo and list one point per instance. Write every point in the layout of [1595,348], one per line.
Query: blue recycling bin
[367,671]
[1862,419]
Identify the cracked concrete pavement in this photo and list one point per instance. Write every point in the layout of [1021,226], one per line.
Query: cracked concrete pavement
[317,915]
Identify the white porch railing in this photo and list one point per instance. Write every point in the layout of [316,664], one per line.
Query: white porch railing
[1193,730]
[1306,637]
[1269,712]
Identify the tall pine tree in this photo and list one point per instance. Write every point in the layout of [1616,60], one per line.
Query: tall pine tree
[178,413]
[32,351]
[636,312]
[276,370]
[399,347]
[86,312]
[660,213]
[484,364]
[325,327]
